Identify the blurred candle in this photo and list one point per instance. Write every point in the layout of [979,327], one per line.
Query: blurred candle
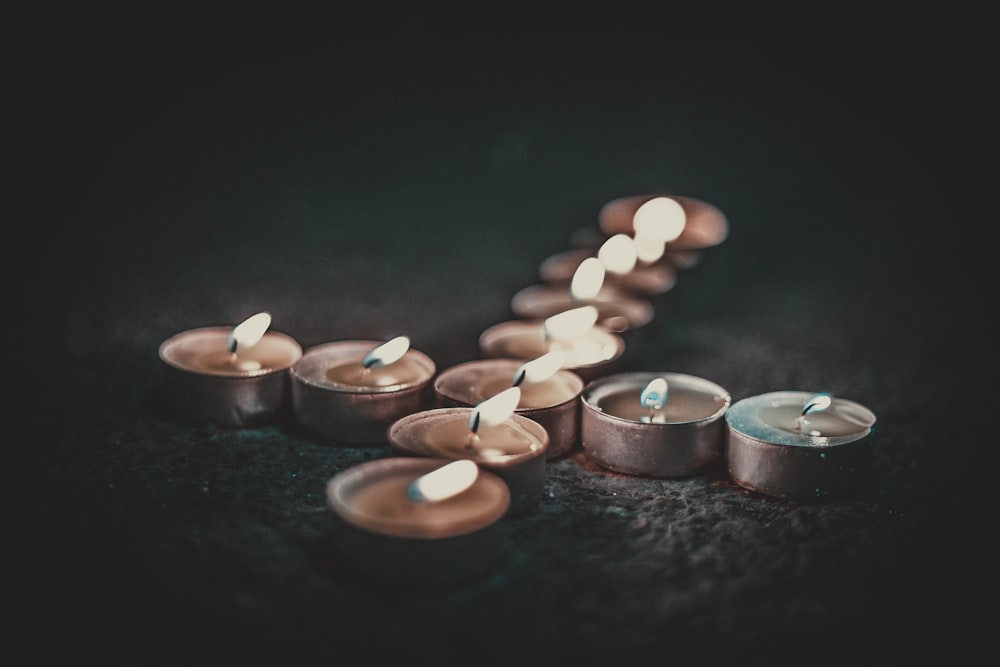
[491,434]
[653,424]
[419,520]
[700,224]
[617,309]
[590,350]
[800,445]
[350,391]
[549,393]
[647,277]
[231,376]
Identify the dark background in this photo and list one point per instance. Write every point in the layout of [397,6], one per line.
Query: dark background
[377,175]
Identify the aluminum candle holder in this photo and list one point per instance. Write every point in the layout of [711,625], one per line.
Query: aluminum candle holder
[334,397]
[776,446]
[205,382]
[681,439]
[386,535]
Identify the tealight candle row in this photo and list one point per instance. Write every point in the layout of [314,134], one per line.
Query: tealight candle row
[469,446]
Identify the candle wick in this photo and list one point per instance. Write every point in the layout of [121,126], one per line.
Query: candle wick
[474,425]
[519,378]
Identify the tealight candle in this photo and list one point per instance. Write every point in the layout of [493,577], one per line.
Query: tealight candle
[618,310]
[683,223]
[648,278]
[350,391]
[491,434]
[590,350]
[549,393]
[230,376]
[799,445]
[419,520]
[653,424]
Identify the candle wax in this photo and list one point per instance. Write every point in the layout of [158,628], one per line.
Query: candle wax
[452,438]
[383,502]
[683,405]
[354,374]
[828,423]
[205,352]
[551,391]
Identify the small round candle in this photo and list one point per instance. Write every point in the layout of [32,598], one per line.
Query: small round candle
[346,392]
[799,445]
[702,225]
[653,424]
[646,278]
[512,446]
[387,529]
[619,310]
[553,401]
[589,350]
[230,376]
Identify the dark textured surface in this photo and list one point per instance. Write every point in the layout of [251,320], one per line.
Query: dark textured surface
[189,175]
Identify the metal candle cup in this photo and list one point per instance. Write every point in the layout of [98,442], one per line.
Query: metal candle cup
[592,355]
[619,310]
[648,279]
[333,396]
[554,403]
[767,451]
[204,382]
[690,438]
[515,450]
[705,225]
[382,532]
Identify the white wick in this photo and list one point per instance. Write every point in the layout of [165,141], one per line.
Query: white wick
[587,280]
[654,396]
[445,482]
[539,369]
[386,353]
[817,403]
[570,325]
[618,254]
[248,332]
[495,410]
[660,218]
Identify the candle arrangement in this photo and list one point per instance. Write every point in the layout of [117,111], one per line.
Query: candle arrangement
[468,447]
